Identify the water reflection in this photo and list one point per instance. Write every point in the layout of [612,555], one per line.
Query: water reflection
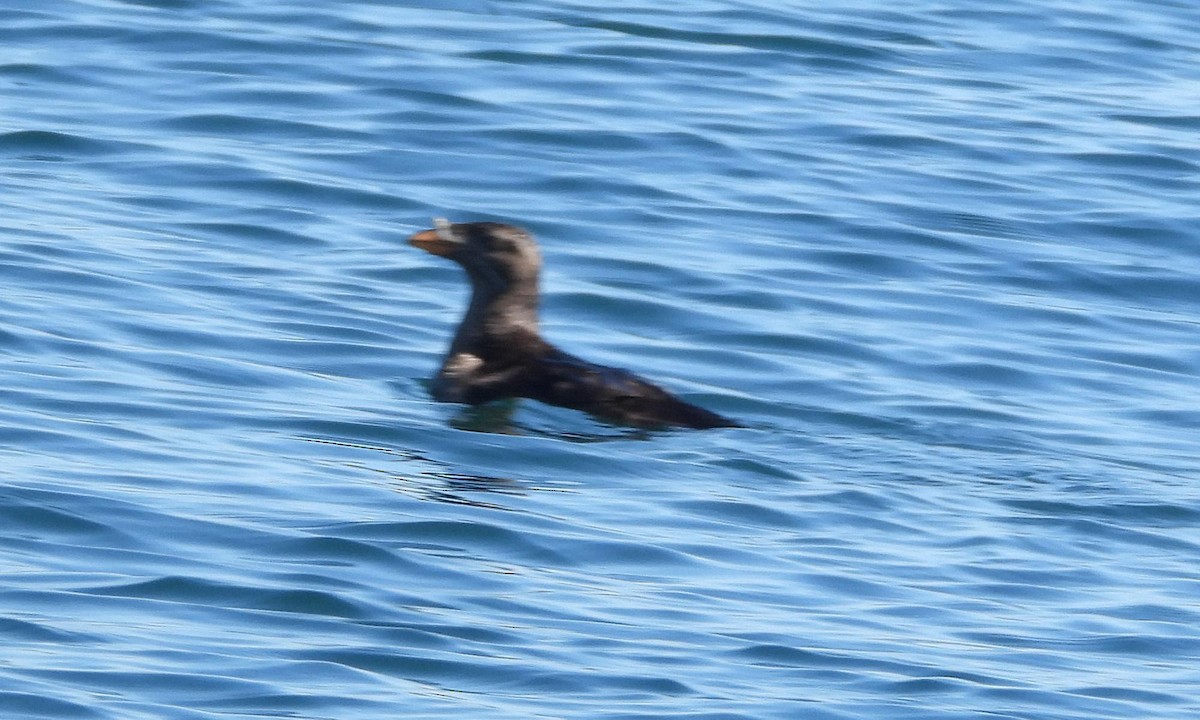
[436,482]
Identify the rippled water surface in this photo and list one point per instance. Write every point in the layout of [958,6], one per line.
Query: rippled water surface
[940,258]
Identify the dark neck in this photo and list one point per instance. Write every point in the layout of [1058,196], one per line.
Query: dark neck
[497,315]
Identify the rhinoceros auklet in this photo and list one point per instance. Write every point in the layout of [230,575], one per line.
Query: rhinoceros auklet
[498,352]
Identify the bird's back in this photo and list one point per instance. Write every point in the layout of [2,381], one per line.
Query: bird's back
[560,378]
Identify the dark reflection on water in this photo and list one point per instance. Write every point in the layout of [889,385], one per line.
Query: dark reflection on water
[440,485]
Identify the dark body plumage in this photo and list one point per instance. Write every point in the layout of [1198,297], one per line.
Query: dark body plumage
[498,352]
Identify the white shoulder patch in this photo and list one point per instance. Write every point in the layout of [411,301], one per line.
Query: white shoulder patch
[461,365]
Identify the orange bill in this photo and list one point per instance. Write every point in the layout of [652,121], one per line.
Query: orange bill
[433,241]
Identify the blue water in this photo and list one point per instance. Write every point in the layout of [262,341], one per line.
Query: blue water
[941,258]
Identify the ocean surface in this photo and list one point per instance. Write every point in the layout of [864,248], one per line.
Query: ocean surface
[940,258]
